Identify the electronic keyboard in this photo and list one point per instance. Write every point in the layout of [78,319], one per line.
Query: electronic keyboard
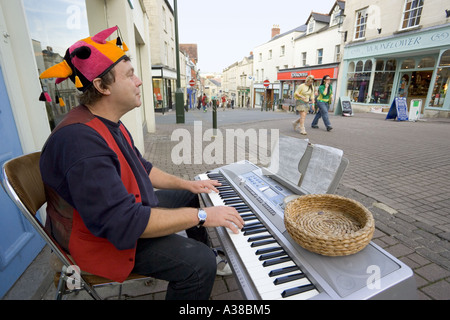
[269,264]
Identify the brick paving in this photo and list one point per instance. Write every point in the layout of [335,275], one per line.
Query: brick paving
[398,170]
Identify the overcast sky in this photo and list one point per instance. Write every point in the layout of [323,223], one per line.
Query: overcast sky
[227,30]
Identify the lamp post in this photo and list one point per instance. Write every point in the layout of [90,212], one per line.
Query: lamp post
[179,96]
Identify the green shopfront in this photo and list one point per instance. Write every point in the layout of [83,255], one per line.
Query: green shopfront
[414,65]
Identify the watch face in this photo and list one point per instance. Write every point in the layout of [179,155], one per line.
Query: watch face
[202,214]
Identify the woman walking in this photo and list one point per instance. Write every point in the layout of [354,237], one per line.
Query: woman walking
[303,95]
[323,103]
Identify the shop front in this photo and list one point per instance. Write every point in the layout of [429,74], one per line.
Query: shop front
[415,66]
[266,97]
[164,87]
[290,79]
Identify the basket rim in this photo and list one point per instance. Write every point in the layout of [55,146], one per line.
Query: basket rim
[366,229]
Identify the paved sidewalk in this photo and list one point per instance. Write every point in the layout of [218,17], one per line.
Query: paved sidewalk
[398,170]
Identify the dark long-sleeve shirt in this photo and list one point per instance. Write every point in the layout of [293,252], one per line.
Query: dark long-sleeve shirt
[78,164]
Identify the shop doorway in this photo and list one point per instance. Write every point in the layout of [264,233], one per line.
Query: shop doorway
[414,85]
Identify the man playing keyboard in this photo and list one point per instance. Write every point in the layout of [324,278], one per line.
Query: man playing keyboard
[102,205]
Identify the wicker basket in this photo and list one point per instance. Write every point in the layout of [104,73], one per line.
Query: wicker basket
[328,224]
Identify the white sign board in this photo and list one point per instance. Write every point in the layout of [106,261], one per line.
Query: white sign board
[415,108]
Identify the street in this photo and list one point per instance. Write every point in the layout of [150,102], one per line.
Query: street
[398,169]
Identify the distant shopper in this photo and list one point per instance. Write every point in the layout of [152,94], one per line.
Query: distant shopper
[303,95]
[323,103]
[204,102]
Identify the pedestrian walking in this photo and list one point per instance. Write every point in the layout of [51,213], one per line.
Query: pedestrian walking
[204,102]
[303,95]
[323,103]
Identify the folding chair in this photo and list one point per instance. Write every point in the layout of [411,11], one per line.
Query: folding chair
[21,179]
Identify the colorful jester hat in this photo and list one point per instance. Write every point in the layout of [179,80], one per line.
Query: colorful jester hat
[88,59]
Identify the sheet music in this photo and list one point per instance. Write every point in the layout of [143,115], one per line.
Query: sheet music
[285,158]
[321,169]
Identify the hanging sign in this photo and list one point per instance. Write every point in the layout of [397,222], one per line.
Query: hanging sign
[399,110]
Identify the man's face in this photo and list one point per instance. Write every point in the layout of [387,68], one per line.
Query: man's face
[125,91]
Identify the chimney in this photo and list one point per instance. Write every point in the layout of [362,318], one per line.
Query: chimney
[275,30]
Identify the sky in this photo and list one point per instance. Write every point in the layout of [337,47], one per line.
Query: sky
[226,31]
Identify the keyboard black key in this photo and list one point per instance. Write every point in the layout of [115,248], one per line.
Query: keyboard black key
[288,278]
[268,250]
[272,255]
[290,292]
[275,261]
[281,271]
[263,242]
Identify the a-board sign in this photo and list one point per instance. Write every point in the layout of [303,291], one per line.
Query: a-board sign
[415,109]
[399,110]
[344,107]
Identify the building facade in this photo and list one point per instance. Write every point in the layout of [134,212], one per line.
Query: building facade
[317,52]
[398,48]
[162,37]
[268,59]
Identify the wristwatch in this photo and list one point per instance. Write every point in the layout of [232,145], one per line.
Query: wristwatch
[201,217]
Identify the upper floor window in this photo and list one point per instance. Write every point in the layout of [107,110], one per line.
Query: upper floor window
[412,13]
[311,25]
[319,56]
[337,53]
[303,59]
[270,54]
[361,22]
[282,50]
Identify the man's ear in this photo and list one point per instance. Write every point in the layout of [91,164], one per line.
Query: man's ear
[103,89]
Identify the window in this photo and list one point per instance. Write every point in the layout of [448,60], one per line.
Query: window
[319,56]
[260,57]
[412,13]
[442,82]
[55,25]
[427,62]
[303,59]
[358,78]
[337,53]
[282,50]
[361,21]
[270,54]
[311,25]
[408,64]
[383,81]
[164,19]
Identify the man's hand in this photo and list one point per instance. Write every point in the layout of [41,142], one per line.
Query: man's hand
[203,186]
[222,216]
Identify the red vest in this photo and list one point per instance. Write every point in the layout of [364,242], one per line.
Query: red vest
[93,254]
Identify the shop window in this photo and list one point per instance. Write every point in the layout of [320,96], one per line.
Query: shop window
[383,82]
[442,81]
[391,65]
[379,66]
[351,67]
[445,59]
[359,66]
[409,64]
[55,25]
[358,81]
[427,62]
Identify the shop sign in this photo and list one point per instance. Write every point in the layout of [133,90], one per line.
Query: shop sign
[299,74]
